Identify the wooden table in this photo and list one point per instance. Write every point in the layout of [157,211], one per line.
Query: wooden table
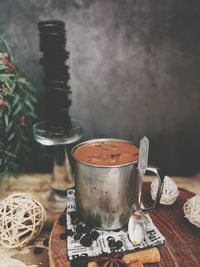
[38,184]
[182,238]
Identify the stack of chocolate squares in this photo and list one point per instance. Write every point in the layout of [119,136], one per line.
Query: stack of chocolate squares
[52,43]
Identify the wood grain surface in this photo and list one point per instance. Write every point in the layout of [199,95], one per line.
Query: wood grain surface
[182,238]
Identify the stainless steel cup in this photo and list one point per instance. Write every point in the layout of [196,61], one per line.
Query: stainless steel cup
[106,196]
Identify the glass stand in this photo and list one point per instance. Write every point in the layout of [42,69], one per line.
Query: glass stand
[62,177]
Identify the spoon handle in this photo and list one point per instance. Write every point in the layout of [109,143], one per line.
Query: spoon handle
[143,155]
[160,176]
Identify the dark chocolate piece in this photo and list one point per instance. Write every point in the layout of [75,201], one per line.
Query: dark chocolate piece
[63,236]
[86,240]
[77,236]
[79,228]
[69,232]
[79,262]
[62,221]
[94,235]
[111,243]
[37,250]
[74,217]
[46,242]
[87,229]
[119,244]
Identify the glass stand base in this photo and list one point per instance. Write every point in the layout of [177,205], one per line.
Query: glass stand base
[54,202]
[62,178]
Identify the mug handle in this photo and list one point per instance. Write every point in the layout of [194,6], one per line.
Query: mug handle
[160,175]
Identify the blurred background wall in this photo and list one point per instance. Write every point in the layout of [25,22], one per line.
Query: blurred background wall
[134,65]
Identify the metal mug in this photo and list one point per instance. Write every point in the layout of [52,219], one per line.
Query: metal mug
[107,196]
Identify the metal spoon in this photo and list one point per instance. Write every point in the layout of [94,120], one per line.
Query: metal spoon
[137,226]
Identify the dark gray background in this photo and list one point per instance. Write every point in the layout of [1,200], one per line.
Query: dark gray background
[134,65]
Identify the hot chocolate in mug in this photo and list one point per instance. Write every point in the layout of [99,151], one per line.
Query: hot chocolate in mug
[107,182]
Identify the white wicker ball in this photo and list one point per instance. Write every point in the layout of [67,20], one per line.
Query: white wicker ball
[169,193]
[22,217]
[191,209]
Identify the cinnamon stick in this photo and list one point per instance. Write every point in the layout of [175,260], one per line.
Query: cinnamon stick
[136,264]
[93,264]
[150,255]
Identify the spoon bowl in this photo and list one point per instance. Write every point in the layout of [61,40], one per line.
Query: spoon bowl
[137,227]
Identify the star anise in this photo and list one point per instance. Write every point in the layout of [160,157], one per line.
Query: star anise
[111,261]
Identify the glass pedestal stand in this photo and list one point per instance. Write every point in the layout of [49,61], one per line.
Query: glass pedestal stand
[62,177]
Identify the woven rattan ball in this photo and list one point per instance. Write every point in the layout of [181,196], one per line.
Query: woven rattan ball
[22,217]
[169,193]
[191,209]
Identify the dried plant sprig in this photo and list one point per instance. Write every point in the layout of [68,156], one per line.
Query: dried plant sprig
[17,114]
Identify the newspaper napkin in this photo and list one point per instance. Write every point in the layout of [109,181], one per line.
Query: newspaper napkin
[103,243]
